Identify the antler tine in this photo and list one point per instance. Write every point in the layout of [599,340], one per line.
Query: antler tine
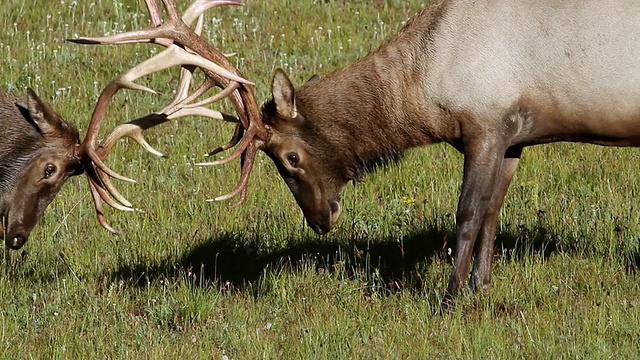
[200,111]
[173,56]
[241,188]
[113,192]
[87,149]
[226,92]
[154,12]
[182,90]
[242,146]
[172,10]
[157,35]
[245,104]
[97,201]
[200,6]
[133,129]
[246,166]
[235,138]
[182,101]
[186,74]
[161,33]
[104,195]
[99,193]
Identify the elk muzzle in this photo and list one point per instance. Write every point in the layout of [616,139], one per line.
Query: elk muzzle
[12,239]
[16,242]
[327,218]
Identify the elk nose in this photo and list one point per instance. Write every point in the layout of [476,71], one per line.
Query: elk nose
[318,229]
[16,242]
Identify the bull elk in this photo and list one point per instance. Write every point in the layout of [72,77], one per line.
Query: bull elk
[39,151]
[487,77]
[37,155]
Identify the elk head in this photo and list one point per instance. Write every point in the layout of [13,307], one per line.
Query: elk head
[313,178]
[305,154]
[37,155]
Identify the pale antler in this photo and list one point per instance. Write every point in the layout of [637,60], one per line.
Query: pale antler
[187,49]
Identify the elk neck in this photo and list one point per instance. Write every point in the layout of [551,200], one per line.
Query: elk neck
[372,111]
[19,141]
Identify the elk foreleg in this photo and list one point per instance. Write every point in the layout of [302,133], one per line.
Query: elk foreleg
[481,276]
[482,163]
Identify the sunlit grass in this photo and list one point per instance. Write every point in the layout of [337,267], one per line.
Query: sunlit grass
[194,279]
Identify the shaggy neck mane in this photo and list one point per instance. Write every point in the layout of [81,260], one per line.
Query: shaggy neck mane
[370,112]
[19,141]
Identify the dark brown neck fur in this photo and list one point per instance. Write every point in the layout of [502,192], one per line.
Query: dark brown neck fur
[19,140]
[373,110]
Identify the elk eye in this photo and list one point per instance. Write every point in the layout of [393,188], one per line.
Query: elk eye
[49,170]
[293,159]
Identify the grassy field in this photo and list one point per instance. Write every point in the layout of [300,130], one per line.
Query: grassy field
[192,279]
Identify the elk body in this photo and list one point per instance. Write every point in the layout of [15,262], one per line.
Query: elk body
[487,77]
[37,155]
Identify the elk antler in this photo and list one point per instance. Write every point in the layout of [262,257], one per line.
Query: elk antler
[184,47]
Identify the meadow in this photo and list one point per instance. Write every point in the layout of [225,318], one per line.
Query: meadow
[192,279]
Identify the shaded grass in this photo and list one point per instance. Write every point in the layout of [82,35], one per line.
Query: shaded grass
[188,278]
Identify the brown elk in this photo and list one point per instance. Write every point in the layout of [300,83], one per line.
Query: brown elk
[39,151]
[487,77]
[37,155]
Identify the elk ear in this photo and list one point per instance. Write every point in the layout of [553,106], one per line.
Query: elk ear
[312,79]
[40,114]
[284,95]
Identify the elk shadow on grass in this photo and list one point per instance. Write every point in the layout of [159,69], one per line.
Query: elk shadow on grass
[228,260]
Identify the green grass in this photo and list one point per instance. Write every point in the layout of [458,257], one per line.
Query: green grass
[194,279]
